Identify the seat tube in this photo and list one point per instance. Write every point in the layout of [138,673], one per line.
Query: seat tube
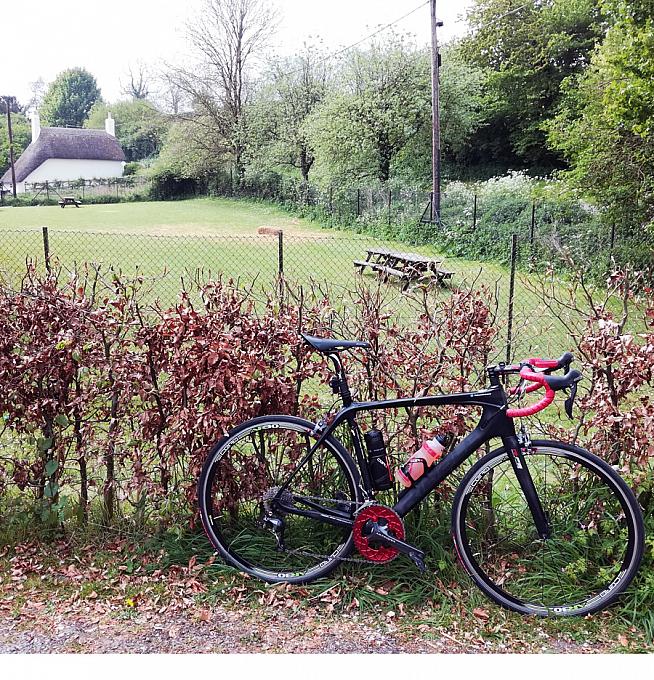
[526,482]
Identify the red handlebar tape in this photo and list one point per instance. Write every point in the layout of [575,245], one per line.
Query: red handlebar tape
[539,380]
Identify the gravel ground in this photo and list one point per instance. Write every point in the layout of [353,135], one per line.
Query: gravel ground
[225,631]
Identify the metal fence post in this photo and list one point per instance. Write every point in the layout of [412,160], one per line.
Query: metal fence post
[612,237]
[474,214]
[509,325]
[390,199]
[611,246]
[280,253]
[358,202]
[46,248]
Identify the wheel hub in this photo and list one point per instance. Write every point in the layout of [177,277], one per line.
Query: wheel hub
[272,494]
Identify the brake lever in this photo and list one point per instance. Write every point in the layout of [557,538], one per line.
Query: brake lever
[569,402]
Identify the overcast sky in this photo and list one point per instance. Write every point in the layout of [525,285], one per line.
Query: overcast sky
[106,37]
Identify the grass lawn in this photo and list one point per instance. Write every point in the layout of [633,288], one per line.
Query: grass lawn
[207,236]
[197,217]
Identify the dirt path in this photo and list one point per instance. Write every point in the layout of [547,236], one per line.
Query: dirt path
[217,630]
[57,599]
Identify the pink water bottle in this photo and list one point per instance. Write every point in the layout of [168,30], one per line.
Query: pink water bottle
[422,460]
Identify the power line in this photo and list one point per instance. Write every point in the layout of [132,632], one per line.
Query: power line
[362,40]
[506,14]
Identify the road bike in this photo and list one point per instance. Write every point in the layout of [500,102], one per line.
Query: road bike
[542,527]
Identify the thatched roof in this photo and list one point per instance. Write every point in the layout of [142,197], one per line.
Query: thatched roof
[71,143]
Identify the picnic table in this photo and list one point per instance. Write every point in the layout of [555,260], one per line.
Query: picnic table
[406,267]
[69,200]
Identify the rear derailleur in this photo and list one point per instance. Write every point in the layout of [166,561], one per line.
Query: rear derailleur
[270,517]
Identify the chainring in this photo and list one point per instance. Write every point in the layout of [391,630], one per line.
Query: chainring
[382,514]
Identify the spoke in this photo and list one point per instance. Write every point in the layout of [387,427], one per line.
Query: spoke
[583,554]
[248,469]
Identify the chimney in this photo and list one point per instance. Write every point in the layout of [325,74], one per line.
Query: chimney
[36,126]
[110,125]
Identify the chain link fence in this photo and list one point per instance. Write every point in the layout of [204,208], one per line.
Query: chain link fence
[323,261]
[477,219]
[91,190]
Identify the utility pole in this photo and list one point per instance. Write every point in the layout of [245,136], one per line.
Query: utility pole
[436,123]
[11,145]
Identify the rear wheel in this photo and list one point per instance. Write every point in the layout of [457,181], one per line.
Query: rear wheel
[238,497]
[596,542]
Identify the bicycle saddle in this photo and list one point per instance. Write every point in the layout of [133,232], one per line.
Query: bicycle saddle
[328,345]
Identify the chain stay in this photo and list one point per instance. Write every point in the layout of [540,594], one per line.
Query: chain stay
[361,505]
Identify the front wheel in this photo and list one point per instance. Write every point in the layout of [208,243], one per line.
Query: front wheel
[596,540]
[259,528]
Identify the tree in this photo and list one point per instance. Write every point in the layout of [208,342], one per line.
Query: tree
[140,128]
[605,125]
[21,133]
[529,49]
[467,104]
[169,96]
[384,102]
[277,120]
[38,89]
[137,85]
[69,98]
[226,38]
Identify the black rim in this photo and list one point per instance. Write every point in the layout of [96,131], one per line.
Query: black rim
[565,560]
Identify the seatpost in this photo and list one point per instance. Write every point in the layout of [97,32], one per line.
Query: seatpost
[343,388]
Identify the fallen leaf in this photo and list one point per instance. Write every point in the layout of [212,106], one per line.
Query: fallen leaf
[481,613]
[204,615]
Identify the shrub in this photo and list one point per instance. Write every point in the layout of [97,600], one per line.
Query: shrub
[101,395]
[132,168]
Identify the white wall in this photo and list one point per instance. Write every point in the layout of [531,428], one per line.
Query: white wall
[71,169]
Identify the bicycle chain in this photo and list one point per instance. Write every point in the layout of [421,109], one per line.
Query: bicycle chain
[306,553]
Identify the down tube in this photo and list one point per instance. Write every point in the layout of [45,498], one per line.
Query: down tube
[431,479]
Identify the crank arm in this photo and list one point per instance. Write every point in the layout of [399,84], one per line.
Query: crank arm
[378,535]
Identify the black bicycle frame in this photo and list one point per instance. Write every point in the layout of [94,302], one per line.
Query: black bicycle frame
[493,423]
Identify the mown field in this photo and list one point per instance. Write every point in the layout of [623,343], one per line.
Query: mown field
[168,241]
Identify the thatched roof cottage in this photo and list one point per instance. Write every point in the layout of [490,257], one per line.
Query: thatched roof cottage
[57,153]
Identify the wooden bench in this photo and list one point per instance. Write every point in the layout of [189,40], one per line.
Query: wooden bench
[69,200]
[385,271]
[405,266]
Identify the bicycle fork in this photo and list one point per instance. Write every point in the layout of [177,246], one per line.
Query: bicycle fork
[515,450]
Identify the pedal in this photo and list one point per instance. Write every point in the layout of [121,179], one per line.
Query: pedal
[418,558]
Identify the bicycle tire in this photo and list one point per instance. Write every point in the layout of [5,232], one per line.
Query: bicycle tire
[491,523]
[234,473]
